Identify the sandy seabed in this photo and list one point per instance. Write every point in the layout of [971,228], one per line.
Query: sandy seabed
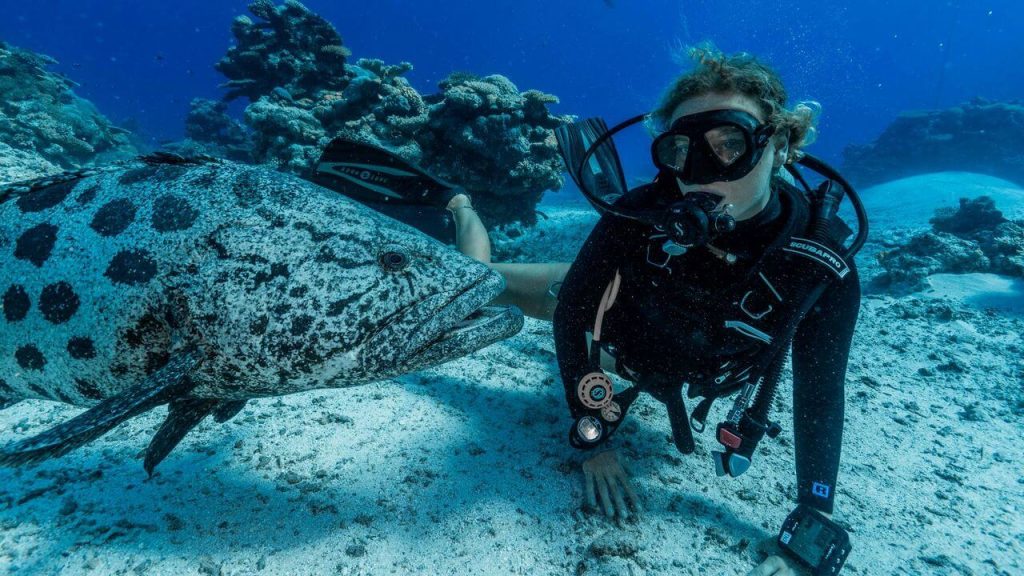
[465,469]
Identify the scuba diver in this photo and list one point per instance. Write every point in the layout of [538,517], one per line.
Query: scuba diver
[697,283]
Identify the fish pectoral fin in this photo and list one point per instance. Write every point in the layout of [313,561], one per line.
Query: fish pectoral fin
[170,382]
[182,416]
[227,410]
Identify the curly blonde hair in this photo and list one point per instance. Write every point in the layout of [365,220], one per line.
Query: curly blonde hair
[742,73]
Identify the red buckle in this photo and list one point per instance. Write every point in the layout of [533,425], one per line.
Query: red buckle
[729,439]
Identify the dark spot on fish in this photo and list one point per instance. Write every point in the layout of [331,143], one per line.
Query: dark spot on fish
[81,348]
[156,361]
[246,189]
[231,374]
[252,259]
[176,312]
[326,255]
[168,173]
[88,195]
[36,244]
[30,358]
[118,369]
[298,291]
[16,303]
[172,213]
[204,180]
[212,242]
[62,396]
[281,309]
[88,389]
[58,302]
[131,267]
[275,219]
[147,331]
[314,234]
[113,217]
[338,307]
[301,324]
[259,325]
[45,198]
[277,270]
[136,175]
[39,391]
[309,356]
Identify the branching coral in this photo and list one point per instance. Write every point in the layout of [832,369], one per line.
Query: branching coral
[292,48]
[481,133]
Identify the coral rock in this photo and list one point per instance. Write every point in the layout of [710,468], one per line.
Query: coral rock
[981,136]
[41,115]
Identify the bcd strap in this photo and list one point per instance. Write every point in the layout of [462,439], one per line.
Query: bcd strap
[672,397]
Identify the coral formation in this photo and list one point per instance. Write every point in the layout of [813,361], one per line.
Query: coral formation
[973,238]
[212,131]
[481,133]
[292,48]
[17,165]
[40,115]
[980,136]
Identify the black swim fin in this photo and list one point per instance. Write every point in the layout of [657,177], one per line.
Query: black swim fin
[372,174]
[602,174]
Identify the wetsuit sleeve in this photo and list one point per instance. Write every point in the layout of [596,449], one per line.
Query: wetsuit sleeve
[580,295]
[821,348]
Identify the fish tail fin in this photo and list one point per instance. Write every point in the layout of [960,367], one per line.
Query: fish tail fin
[170,382]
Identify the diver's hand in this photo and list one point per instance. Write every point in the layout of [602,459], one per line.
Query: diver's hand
[607,481]
[773,566]
[776,564]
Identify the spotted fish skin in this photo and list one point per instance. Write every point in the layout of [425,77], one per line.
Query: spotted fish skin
[281,285]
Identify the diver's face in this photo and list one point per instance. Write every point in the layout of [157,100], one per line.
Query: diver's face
[749,194]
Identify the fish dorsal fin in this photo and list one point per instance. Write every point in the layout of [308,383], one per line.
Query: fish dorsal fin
[157,158]
[26,187]
[166,384]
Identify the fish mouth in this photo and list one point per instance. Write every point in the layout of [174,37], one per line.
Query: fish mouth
[452,324]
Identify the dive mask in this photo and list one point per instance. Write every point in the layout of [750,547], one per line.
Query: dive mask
[712,146]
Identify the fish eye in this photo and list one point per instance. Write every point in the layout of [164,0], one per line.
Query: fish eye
[394,260]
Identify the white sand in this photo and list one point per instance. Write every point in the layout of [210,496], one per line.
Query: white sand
[465,469]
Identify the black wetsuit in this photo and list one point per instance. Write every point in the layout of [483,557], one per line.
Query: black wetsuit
[657,318]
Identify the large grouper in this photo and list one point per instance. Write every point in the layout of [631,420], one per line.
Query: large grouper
[201,284]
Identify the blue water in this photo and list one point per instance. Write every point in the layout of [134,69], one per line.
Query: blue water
[142,62]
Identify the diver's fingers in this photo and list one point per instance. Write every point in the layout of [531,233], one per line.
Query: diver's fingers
[773,566]
[589,490]
[630,493]
[615,482]
[602,486]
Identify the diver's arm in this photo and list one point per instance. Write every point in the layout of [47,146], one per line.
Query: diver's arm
[821,348]
[580,295]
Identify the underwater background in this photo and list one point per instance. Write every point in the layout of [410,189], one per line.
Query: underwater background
[464,468]
[865,62]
